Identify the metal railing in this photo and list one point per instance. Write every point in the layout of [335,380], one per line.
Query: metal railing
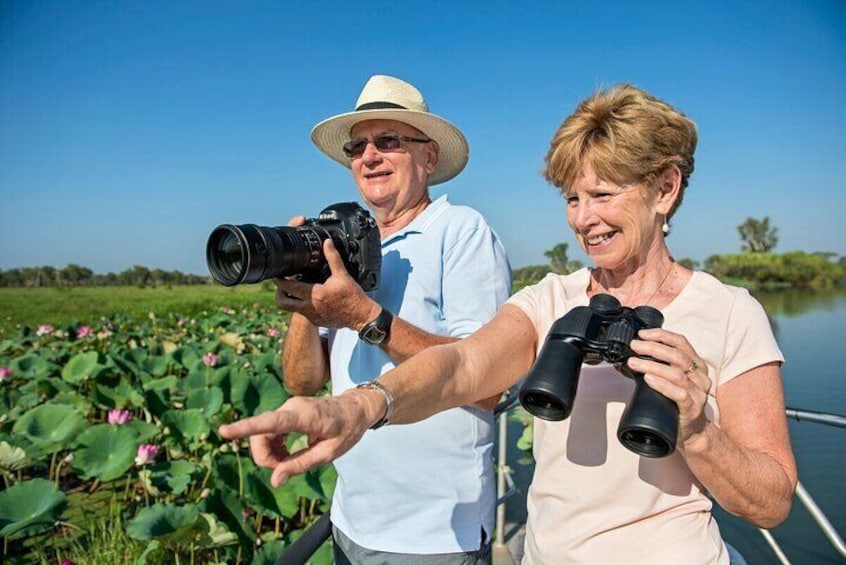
[299,552]
[804,496]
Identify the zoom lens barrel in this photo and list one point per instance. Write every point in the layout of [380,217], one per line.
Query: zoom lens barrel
[249,253]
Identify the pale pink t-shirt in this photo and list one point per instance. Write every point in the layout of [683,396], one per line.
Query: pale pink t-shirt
[592,500]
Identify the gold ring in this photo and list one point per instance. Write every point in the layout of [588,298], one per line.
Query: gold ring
[693,366]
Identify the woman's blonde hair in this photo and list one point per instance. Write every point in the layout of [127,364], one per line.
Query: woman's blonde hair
[627,136]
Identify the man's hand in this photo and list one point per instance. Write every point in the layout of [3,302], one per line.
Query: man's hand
[337,303]
[332,425]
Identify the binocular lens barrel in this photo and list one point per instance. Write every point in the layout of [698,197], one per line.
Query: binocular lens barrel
[650,424]
[550,386]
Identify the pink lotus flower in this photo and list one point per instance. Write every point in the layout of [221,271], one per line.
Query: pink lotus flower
[5,373]
[146,454]
[210,359]
[84,331]
[44,329]
[273,332]
[119,417]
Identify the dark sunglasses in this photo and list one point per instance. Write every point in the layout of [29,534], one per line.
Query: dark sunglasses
[385,143]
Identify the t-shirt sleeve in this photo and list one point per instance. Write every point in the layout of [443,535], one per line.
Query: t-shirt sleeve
[477,279]
[750,341]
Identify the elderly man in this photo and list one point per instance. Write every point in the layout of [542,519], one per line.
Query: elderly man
[422,493]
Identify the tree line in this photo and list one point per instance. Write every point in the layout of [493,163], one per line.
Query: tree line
[76,275]
[756,265]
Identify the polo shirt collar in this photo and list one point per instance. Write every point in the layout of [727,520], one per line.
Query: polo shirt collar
[422,222]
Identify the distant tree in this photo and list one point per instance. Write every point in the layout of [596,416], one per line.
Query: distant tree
[758,236]
[76,275]
[559,261]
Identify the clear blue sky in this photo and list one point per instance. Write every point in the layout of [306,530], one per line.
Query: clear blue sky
[129,129]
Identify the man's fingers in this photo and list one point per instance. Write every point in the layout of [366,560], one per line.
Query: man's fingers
[297,221]
[269,423]
[300,462]
[333,258]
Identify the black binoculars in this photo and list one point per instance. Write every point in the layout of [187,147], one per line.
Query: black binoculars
[592,334]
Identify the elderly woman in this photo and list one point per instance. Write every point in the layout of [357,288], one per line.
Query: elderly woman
[622,160]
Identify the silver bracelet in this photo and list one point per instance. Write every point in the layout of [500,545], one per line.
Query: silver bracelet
[389,402]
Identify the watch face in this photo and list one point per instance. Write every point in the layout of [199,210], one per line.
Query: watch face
[374,335]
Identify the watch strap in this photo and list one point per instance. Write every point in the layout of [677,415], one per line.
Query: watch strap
[377,331]
[389,402]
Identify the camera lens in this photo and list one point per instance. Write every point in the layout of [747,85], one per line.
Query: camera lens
[228,255]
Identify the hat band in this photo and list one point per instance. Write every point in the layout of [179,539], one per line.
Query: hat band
[379,106]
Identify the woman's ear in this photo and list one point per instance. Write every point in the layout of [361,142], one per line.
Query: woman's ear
[669,187]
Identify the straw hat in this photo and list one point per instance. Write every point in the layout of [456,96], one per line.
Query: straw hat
[389,98]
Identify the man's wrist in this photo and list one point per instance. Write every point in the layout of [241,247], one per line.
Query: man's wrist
[384,419]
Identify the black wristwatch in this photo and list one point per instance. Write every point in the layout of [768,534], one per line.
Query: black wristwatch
[377,331]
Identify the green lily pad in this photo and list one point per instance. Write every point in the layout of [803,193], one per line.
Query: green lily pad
[172,476]
[30,507]
[12,458]
[189,427]
[280,502]
[32,366]
[228,507]
[51,426]
[105,452]
[176,524]
[209,400]
[258,394]
[82,366]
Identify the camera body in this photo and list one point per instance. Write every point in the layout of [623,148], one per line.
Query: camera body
[248,253]
[591,334]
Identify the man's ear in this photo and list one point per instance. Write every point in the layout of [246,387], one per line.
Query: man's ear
[432,151]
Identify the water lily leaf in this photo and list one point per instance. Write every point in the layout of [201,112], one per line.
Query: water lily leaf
[227,506]
[208,400]
[188,427]
[257,394]
[51,426]
[217,534]
[233,340]
[82,366]
[155,365]
[105,452]
[115,391]
[187,356]
[12,458]
[30,507]
[144,431]
[32,366]
[230,471]
[279,502]
[269,553]
[176,524]
[172,476]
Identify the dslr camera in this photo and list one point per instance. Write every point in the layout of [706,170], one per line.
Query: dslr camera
[591,334]
[249,253]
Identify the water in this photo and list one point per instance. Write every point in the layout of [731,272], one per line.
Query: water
[811,331]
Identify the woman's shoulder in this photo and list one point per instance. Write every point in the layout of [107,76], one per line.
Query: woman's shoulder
[709,285]
[572,286]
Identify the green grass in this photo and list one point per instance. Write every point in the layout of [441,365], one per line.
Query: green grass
[86,305]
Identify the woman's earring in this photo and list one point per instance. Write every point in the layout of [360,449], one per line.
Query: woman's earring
[666,227]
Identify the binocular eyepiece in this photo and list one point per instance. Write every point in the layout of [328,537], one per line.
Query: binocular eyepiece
[591,334]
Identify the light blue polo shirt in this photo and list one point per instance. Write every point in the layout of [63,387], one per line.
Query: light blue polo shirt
[427,487]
